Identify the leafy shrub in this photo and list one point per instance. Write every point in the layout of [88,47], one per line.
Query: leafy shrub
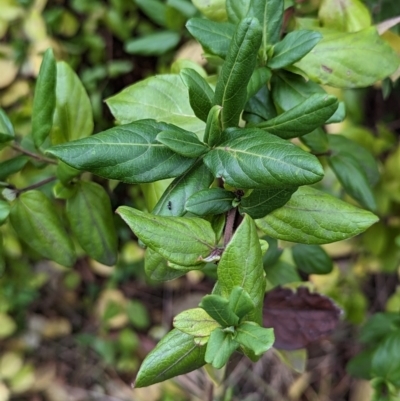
[242,149]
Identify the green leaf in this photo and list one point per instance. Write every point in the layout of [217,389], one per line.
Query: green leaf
[270,15]
[353,178]
[157,269]
[256,159]
[350,16]
[213,130]
[240,302]
[237,10]
[184,7]
[258,79]
[37,223]
[303,118]
[184,143]
[91,219]
[12,166]
[196,322]
[173,200]
[129,153]
[314,217]
[254,337]
[289,90]
[73,117]
[154,9]
[44,100]
[350,60]
[162,98]
[181,240]
[338,144]
[212,9]
[281,273]
[219,348]
[153,44]
[6,128]
[201,95]
[312,259]
[66,173]
[215,37]
[385,360]
[264,201]
[174,355]
[4,212]
[259,107]
[231,88]
[219,309]
[273,253]
[378,326]
[294,46]
[210,201]
[241,265]
[316,140]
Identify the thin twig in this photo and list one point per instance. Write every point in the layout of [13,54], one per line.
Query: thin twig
[37,185]
[230,221]
[210,396]
[36,156]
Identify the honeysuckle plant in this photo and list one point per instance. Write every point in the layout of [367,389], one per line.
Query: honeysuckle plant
[243,149]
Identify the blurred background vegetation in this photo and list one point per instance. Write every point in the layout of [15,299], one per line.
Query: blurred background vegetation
[80,334]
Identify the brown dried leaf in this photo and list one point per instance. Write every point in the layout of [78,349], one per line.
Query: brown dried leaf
[299,317]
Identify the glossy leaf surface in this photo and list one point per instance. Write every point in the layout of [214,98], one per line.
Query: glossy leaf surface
[312,259]
[181,240]
[350,60]
[303,118]
[6,128]
[210,201]
[174,355]
[231,88]
[258,79]
[257,159]
[215,37]
[254,337]
[173,200]
[338,144]
[37,223]
[196,322]
[219,348]
[73,117]
[44,100]
[201,95]
[314,217]
[91,219]
[12,166]
[241,265]
[129,153]
[240,302]
[237,10]
[219,309]
[264,201]
[270,15]
[289,90]
[293,47]
[213,130]
[157,269]
[353,178]
[184,143]
[151,98]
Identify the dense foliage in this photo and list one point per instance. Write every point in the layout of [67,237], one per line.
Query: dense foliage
[238,169]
